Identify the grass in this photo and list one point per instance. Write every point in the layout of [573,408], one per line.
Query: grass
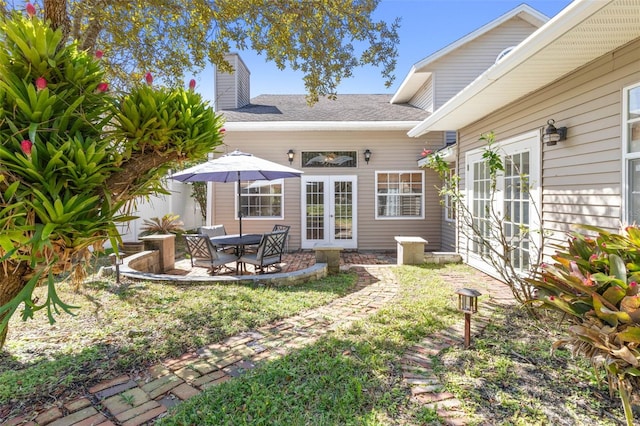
[122,328]
[351,377]
[511,377]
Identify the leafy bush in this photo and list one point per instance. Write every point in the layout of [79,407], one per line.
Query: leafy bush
[594,281]
[167,224]
[74,155]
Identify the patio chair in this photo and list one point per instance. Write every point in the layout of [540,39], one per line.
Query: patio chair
[278,227]
[204,254]
[216,231]
[269,254]
[212,231]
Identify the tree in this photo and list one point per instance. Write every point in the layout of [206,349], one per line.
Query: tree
[74,154]
[491,231]
[325,39]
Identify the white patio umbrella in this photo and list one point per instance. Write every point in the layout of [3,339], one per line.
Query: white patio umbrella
[236,167]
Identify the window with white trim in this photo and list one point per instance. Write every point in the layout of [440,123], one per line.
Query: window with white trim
[261,199]
[631,150]
[400,195]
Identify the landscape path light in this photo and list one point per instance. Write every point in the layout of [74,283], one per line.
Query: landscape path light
[116,261]
[468,303]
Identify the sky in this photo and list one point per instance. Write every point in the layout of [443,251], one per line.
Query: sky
[426,26]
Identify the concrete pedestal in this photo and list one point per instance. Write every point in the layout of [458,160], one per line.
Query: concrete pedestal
[166,245]
[410,250]
[329,254]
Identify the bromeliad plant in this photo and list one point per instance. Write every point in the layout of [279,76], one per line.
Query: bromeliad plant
[594,282]
[73,156]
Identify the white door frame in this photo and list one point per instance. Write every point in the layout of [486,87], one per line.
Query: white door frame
[329,211]
[530,142]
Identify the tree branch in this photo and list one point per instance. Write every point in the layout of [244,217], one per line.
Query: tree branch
[120,184]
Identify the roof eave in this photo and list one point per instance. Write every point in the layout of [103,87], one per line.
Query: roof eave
[292,126]
[445,118]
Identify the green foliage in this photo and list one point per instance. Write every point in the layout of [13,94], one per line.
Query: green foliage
[167,224]
[488,229]
[594,282]
[73,155]
[326,40]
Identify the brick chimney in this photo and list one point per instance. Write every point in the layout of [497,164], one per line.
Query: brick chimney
[232,90]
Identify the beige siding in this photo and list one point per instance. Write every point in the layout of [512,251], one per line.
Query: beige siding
[448,236]
[581,176]
[391,151]
[424,96]
[232,90]
[456,70]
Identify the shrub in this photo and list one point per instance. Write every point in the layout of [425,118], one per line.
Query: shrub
[594,282]
[167,224]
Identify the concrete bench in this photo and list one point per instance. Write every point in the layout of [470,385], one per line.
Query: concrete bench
[410,250]
[329,254]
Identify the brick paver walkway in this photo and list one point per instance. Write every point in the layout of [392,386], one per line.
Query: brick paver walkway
[131,401]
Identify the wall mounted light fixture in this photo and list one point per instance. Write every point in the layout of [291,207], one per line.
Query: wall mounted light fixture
[552,134]
[367,155]
[290,155]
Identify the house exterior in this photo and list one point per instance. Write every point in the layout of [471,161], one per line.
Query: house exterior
[582,70]
[362,184]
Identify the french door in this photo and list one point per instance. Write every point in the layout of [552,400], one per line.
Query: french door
[516,202]
[329,211]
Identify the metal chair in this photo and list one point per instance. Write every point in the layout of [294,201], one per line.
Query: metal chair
[203,253]
[269,253]
[214,231]
[278,227]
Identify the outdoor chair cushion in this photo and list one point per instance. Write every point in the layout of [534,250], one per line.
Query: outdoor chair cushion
[212,231]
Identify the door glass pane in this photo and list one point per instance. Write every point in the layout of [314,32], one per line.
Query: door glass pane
[516,204]
[634,196]
[634,137]
[634,103]
[315,210]
[480,207]
[343,201]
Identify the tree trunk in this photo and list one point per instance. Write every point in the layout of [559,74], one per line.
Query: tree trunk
[55,11]
[11,283]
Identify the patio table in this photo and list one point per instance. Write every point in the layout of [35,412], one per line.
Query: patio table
[238,241]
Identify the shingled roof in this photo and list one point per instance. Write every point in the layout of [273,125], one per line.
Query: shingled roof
[346,108]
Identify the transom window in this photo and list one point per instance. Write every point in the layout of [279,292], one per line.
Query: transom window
[399,195]
[631,149]
[261,199]
[329,159]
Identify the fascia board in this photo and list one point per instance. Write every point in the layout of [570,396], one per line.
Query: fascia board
[287,126]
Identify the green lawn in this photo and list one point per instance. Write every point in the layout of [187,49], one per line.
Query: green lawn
[351,376]
[122,328]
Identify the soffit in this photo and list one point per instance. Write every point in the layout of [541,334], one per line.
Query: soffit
[582,32]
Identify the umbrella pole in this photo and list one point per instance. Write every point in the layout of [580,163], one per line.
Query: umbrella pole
[239,206]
